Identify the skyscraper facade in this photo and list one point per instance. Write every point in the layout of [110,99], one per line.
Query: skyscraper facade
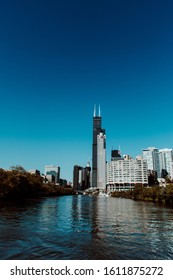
[101,161]
[77,177]
[166,162]
[151,155]
[97,128]
[81,177]
[115,155]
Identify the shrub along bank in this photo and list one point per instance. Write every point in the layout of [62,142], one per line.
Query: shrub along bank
[155,194]
[18,183]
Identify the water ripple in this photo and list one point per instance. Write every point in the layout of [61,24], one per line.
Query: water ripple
[82,227]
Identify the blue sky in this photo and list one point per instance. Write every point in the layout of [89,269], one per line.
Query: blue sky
[59,58]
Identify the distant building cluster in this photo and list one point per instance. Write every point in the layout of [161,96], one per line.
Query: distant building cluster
[121,172]
[52,175]
[159,161]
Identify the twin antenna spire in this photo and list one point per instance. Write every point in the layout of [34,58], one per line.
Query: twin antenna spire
[99,115]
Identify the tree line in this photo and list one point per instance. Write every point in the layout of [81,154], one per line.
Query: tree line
[163,195]
[17,183]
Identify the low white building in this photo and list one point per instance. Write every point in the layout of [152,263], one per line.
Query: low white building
[34,171]
[125,174]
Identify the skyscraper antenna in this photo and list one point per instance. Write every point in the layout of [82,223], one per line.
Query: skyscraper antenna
[99,111]
[94,111]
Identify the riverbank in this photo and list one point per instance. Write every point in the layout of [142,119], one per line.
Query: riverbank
[154,194]
[17,185]
[56,190]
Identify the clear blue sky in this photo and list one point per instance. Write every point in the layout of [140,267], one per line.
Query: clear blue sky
[59,58]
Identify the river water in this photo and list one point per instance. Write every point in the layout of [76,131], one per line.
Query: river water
[86,228]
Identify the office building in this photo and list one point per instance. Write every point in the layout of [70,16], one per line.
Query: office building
[166,163]
[115,155]
[151,155]
[86,172]
[81,177]
[77,177]
[63,182]
[97,128]
[50,178]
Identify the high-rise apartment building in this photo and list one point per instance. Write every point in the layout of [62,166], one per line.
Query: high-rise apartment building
[151,155]
[97,128]
[101,161]
[125,174]
[166,162]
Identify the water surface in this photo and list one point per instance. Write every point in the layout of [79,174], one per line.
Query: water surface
[85,227]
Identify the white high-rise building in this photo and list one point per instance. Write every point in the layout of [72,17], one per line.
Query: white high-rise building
[125,174]
[151,155]
[101,161]
[166,162]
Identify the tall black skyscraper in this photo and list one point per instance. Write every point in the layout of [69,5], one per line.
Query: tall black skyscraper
[81,177]
[96,130]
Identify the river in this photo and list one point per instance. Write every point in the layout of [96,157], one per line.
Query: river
[85,228]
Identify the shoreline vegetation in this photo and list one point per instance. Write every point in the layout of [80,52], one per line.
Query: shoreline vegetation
[161,195]
[19,184]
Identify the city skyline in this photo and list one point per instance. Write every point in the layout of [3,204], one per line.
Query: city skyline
[59,59]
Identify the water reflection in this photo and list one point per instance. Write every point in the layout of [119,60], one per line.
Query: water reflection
[84,227]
